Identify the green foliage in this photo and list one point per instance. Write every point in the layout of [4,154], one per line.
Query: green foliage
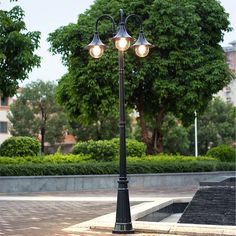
[113,168]
[175,138]
[223,153]
[134,148]
[170,158]
[59,158]
[215,126]
[17,46]
[102,129]
[59,164]
[102,150]
[36,111]
[180,75]
[19,146]
[106,150]
[53,159]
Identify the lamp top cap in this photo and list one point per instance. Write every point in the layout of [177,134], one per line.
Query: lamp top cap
[122,33]
[96,41]
[142,41]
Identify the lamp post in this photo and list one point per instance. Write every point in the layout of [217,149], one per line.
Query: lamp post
[122,41]
[195,134]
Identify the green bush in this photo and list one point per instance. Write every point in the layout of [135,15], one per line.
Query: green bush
[102,150]
[223,153]
[59,158]
[106,150]
[113,168]
[134,148]
[55,159]
[20,146]
[170,158]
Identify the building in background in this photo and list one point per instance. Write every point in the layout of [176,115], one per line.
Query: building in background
[4,122]
[228,94]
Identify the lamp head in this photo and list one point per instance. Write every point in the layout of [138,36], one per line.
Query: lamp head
[96,47]
[141,46]
[122,39]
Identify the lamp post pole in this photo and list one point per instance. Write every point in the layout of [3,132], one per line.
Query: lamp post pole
[121,39]
[123,218]
[195,134]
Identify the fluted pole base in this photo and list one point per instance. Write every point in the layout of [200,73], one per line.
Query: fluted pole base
[123,223]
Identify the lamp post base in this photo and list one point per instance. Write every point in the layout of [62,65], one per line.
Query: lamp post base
[123,223]
[123,228]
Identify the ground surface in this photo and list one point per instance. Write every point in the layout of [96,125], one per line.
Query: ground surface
[45,214]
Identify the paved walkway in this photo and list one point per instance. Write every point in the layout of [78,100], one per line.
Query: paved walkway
[45,214]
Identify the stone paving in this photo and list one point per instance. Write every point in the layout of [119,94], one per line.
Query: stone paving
[45,214]
[40,218]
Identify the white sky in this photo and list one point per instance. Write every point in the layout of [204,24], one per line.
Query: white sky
[47,15]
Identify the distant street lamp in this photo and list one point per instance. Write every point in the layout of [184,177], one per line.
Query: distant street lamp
[195,134]
[122,41]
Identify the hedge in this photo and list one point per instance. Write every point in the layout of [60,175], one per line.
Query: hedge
[113,167]
[55,159]
[70,158]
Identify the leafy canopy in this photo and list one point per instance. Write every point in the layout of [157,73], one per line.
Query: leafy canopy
[35,110]
[17,46]
[179,75]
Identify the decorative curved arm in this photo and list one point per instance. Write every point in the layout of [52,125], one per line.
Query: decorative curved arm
[138,18]
[109,17]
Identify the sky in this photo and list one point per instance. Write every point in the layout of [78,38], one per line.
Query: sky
[48,15]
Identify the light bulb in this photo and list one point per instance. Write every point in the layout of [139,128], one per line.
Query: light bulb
[142,50]
[122,44]
[96,51]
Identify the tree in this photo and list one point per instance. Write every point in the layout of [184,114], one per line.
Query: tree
[103,129]
[36,112]
[175,135]
[17,46]
[175,138]
[180,75]
[100,130]
[215,126]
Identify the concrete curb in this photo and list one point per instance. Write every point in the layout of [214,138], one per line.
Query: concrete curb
[103,225]
[77,183]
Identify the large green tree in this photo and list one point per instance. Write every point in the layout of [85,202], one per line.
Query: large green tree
[36,113]
[179,75]
[17,46]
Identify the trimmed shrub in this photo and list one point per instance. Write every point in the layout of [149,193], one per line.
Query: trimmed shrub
[134,148]
[102,150]
[106,150]
[59,158]
[223,153]
[20,146]
[113,168]
[55,159]
[170,158]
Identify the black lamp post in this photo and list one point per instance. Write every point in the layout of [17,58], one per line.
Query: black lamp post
[96,49]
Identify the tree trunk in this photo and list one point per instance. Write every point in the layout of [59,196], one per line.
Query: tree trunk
[157,136]
[154,141]
[42,139]
[144,132]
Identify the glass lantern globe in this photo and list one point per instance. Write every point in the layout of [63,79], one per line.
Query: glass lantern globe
[96,51]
